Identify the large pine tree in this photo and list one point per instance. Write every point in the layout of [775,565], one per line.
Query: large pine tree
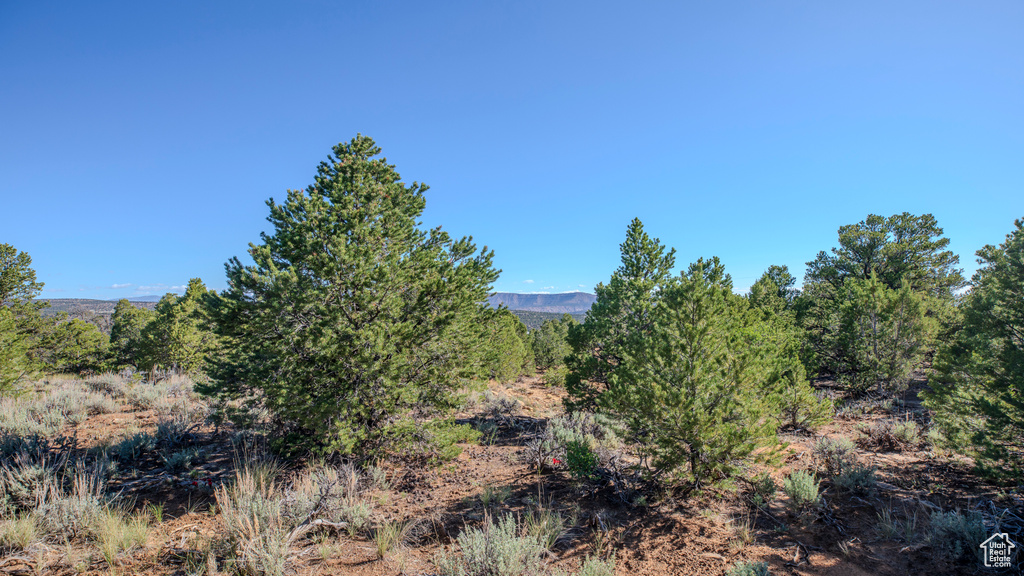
[354,326]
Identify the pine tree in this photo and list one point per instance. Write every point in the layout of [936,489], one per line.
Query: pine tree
[978,378]
[883,334]
[22,326]
[692,389]
[74,346]
[354,326]
[799,407]
[507,345]
[622,311]
[126,343]
[551,342]
[181,335]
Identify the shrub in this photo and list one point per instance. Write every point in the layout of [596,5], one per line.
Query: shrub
[855,478]
[251,509]
[75,511]
[907,432]
[131,448]
[749,569]
[182,460]
[495,549]
[802,489]
[594,566]
[956,536]
[580,460]
[555,376]
[111,384]
[832,455]
[763,489]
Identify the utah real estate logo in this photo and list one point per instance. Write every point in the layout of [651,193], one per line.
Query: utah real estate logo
[998,551]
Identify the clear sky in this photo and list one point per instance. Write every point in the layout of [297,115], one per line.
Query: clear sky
[139,140]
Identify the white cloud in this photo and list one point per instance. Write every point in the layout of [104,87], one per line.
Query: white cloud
[119,286]
[582,285]
[527,281]
[548,288]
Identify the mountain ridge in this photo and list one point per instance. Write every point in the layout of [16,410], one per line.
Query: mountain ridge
[562,303]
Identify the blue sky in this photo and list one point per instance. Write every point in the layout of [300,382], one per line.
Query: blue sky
[139,140]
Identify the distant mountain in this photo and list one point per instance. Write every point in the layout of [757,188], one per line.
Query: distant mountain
[79,305]
[149,298]
[568,302]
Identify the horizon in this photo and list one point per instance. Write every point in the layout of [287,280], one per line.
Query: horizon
[141,141]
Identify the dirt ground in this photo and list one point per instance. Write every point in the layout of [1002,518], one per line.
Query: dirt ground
[701,534]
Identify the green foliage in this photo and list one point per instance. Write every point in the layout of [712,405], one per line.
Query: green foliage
[21,325]
[550,342]
[181,335]
[799,407]
[621,313]
[832,455]
[977,391]
[595,566]
[763,489]
[15,365]
[580,459]
[126,342]
[353,325]
[507,346]
[496,549]
[872,306]
[749,569]
[883,334]
[692,391]
[802,489]
[17,278]
[75,346]
[682,362]
[856,478]
[956,536]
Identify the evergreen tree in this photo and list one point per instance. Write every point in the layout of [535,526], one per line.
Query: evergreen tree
[883,333]
[799,407]
[900,260]
[181,335]
[978,378]
[22,326]
[508,354]
[692,390]
[622,311]
[354,326]
[126,343]
[551,342]
[74,346]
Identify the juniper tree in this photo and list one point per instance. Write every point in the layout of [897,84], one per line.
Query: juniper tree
[977,386]
[353,325]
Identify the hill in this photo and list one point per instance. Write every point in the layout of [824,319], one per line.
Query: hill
[533,320]
[101,307]
[568,302]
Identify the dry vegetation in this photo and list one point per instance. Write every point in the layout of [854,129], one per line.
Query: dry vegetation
[114,474]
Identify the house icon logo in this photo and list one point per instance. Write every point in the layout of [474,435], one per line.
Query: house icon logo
[998,551]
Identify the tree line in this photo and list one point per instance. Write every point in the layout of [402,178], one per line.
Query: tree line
[357,332]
